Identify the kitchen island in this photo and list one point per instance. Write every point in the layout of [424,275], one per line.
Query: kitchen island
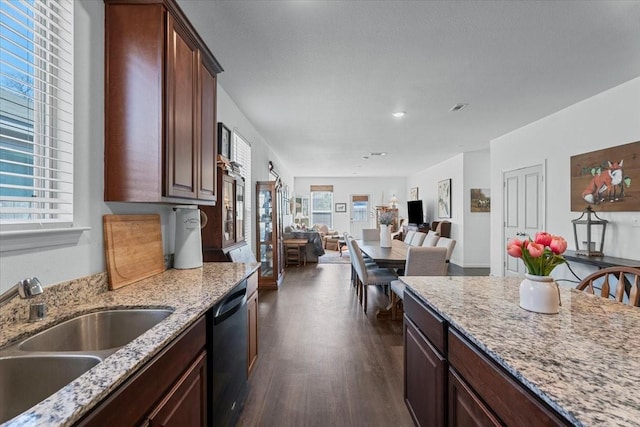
[581,365]
[189,293]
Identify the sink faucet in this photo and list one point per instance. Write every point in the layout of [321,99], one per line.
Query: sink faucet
[26,288]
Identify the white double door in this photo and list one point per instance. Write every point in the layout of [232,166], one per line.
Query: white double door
[524,197]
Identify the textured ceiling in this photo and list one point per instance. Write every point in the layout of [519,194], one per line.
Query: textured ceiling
[320,79]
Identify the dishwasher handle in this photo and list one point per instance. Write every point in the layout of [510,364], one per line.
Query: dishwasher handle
[230,306]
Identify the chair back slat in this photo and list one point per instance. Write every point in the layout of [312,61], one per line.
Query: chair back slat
[634,294]
[627,284]
[604,291]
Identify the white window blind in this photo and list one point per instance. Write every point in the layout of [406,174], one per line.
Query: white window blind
[242,155]
[36,112]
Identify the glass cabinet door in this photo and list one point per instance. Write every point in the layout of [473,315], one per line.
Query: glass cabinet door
[240,210]
[265,231]
[228,211]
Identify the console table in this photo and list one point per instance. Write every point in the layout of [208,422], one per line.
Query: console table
[600,261]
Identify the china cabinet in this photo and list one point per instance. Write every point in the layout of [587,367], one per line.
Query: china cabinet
[269,246]
[394,211]
[223,231]
[160,106]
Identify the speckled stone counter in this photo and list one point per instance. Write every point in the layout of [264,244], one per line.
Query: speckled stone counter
[584,362]
[189,292]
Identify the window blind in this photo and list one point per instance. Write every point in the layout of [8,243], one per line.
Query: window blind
[242,155]
[36,111]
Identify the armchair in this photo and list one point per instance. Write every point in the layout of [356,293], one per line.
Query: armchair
[329,238]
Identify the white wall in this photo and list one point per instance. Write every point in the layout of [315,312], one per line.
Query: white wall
[55,264]
[379,189]
[608,119]
[476,225]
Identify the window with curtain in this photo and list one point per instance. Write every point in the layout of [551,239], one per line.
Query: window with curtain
[322,205]
[242,154]
[36,113]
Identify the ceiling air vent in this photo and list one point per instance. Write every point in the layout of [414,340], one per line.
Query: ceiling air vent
[458,107]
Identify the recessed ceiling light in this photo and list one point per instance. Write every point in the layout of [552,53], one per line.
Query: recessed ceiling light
[377,153]
[399,114]
[458,107]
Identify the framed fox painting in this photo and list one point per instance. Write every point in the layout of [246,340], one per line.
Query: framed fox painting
[608,179]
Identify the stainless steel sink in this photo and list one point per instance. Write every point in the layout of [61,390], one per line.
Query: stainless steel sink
[98,331]
[27,380]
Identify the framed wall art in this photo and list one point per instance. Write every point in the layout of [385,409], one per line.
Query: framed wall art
[413,193]
[444,198]
[224,140]
[341,207]
[603,179]
[480,200]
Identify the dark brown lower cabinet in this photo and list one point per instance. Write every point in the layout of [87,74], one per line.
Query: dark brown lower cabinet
[465,408]
[170,390]
[183,405]
[252,313]
[450,381]
[425,371]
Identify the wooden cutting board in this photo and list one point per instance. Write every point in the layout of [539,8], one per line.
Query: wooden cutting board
[133,248]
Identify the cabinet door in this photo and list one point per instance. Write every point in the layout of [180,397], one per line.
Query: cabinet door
[465,407]
[208,144]
[252,311]
[182,146]
[240,210]
[425,373]
[228,211]
[186,403]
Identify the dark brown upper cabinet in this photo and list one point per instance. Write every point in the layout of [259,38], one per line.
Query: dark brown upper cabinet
[160,106]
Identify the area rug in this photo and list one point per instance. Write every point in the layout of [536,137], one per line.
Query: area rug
[333,257]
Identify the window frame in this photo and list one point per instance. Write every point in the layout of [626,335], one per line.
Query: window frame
[43,58]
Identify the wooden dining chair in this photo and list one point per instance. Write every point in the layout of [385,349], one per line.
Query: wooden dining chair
[369,276]
[625,280]
[421,261]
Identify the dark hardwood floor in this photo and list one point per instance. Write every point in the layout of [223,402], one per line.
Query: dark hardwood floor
[322,361]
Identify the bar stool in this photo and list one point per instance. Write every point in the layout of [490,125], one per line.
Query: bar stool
[295,252]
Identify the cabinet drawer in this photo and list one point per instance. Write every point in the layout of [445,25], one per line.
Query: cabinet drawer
[428,322]
[511,402]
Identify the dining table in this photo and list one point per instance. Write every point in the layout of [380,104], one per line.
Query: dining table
[393,257]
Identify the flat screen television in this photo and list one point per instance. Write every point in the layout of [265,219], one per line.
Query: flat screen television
[414,207]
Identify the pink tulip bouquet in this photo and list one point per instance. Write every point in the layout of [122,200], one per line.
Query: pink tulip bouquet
[541,255]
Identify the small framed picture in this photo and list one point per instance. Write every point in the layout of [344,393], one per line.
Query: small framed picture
[224,140]
[341,207]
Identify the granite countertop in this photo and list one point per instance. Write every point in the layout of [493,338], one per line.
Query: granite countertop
[583,361]
[189,292]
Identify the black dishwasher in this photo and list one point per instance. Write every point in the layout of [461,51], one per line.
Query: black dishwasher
[227,330]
